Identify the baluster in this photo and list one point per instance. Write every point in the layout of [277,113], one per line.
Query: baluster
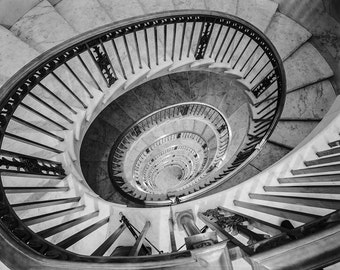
[137,48]
[165,40]
[119,59]
[258,73]
[241,54]
[78,80]
[216,39]
[182,41]
[173,42]
[231,41]
[89,72]
[257,61]
[191,37]
[43,116]
[33,143]
[58,98]
[238,43]
[147,46]
[156,44]
[49,107]
[68,89]
[29,125]
[128,54]
[248,59]
[222,43]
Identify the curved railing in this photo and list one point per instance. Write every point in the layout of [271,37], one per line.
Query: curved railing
[45,103]
[127,140]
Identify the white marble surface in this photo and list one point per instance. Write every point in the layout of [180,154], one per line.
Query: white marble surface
[227,6]
[14,54]
[12,10]
[286,34]
[83,15]
[311,102]
[306,66]
[256,12]
[269,154]
[189,4]
[42,27]
[291,133]
[119,10]
[152,6]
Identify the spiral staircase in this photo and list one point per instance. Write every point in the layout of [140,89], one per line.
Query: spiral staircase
[148,134]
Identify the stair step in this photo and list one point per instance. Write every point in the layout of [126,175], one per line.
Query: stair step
[100,251]
[269,154]
[66,225]
[309,103]
[322,160]
[34,189]
[120,10]
[314,202]
[42,27]
[331,189]
[334,143]
[305,67]
[328,152]
[14,49]
[38,204]
[66,243]
[280,212]
[286,34]
[45,217]
[311,178]
[83,15]
[318,169]
[291,133]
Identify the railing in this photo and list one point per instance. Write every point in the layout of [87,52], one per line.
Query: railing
[190,110]
[49,95]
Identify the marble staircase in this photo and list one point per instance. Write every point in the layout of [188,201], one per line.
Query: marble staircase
[67,211]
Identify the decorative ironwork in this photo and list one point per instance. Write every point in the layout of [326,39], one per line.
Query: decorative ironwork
[265,83]
[104,64]
[10,161]
[229,223]
[204,41]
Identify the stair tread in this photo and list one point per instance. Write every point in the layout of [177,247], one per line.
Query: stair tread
[310,102]
[334,143]
[119,10]
[151,6]
[298,200]
[191,4]
[42,27]
[323,160]
[19,53]
[83,15]
[281,212]
[332,151]
[269,154]
[306,66]
[258,13]
[291,133]
[329,189]
[286,34]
